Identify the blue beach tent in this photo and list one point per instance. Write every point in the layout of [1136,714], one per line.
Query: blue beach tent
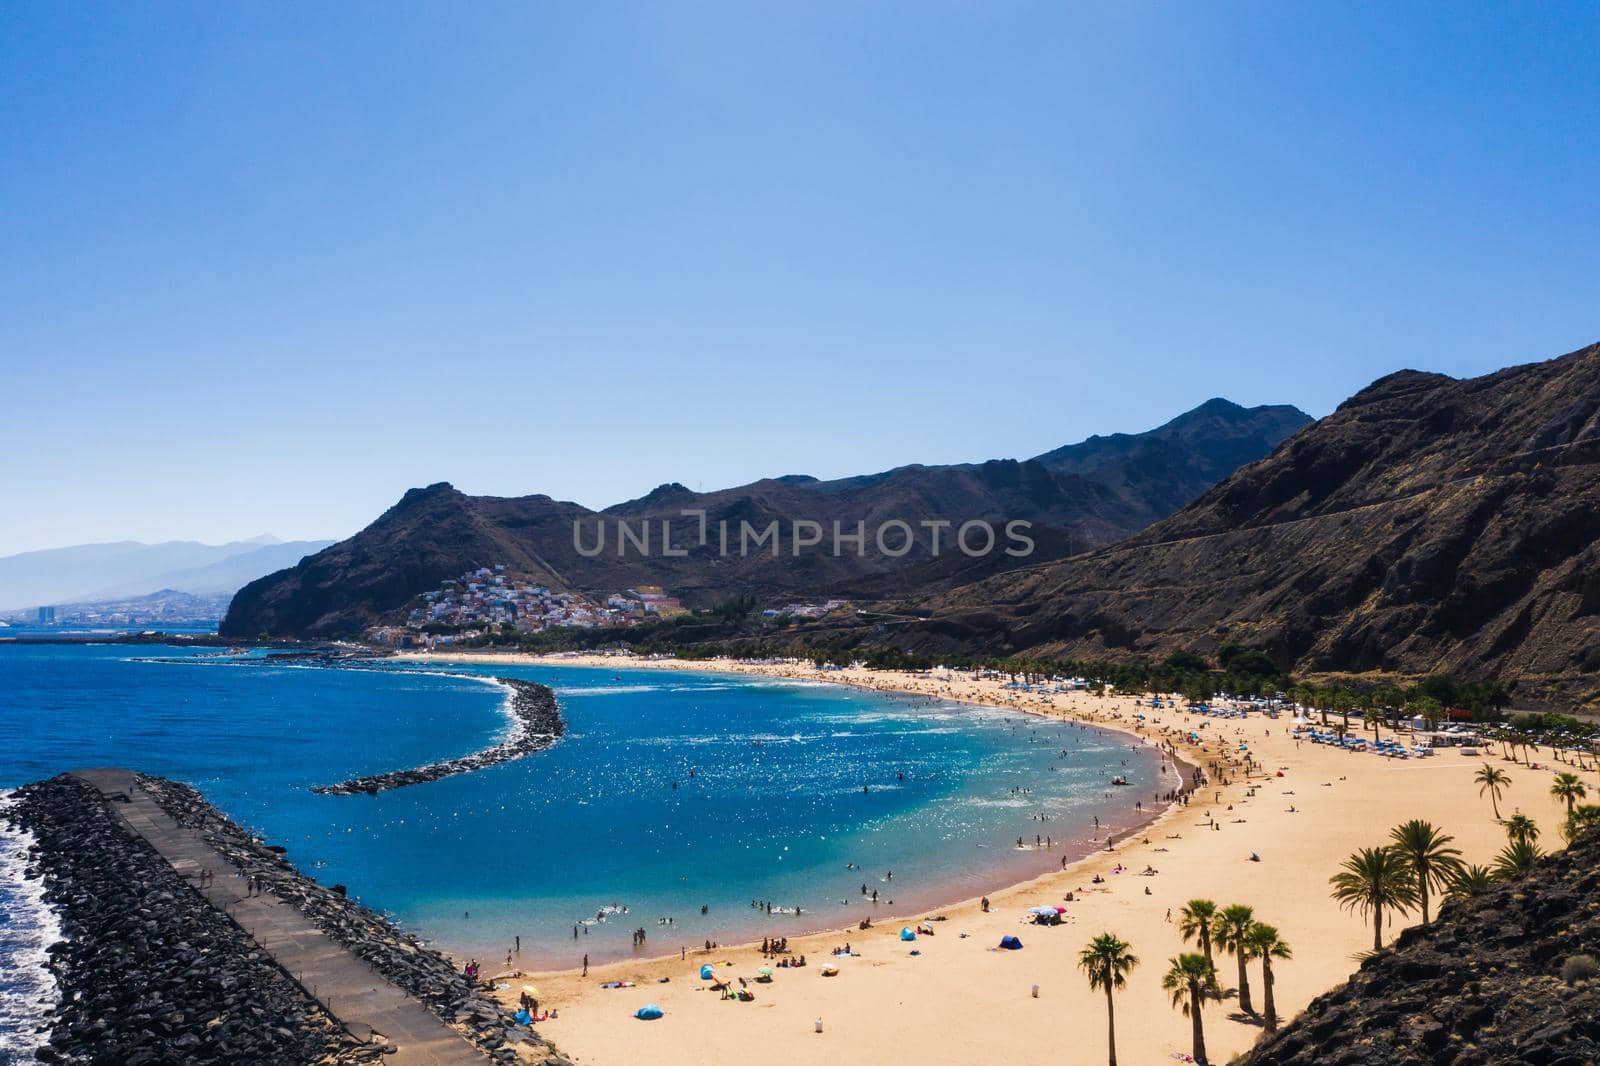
[706,972]
[648,1013]
[1010,943]
[907,934]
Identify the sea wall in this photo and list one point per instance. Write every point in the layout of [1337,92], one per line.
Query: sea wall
[149,971]
[397,955]
[537,725]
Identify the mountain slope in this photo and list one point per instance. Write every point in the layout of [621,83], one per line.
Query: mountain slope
[438,533]
[1428,524]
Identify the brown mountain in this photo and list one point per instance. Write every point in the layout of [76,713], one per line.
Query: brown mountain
[1085,494]
[1429,524]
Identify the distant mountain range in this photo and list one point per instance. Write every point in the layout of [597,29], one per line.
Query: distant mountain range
[1081,495]
[88,573]
[1427,525]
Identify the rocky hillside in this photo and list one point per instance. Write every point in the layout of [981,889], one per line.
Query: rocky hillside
[1085,494]
[1507,977]
[1429,524]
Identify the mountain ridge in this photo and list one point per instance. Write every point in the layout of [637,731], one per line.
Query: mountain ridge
[1429,524]
[436,532]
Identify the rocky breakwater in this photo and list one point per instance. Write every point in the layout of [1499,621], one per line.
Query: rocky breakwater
[536,725]
[149,971]
[395,954]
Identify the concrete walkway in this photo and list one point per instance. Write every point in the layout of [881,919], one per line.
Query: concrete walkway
[351,990]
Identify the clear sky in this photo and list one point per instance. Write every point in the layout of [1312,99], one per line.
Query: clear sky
[265,266]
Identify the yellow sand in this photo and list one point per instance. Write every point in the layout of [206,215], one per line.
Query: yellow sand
[964,1001]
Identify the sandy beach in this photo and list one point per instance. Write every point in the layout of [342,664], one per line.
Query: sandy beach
[963,1000]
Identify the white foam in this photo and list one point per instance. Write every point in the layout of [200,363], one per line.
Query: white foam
[28,991]
[607,690]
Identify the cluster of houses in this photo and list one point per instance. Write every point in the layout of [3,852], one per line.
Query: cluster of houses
[464,608]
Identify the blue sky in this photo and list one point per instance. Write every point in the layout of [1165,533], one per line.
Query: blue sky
[266,266]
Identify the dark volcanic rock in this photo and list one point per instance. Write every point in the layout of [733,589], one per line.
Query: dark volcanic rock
[1482,986]
[397,955]
[150,972]
[538,726]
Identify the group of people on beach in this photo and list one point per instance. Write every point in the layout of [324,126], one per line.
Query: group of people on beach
[777,947]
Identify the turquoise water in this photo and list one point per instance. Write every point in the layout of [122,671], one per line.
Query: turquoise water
[786,792]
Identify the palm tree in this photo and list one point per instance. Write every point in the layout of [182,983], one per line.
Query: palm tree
[1191,980]
[1521,829]
[1341,704]
[1493,780]
[1229,929]
[1430,856]
[1265,944]
[1583,817]
[1374,718]
[1107,962]
[1373,879]
[1568,787]
[1194,923]
[1516,858]
[1470,881]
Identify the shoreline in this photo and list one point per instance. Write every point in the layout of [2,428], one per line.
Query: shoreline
[1302,809]
[1179,768]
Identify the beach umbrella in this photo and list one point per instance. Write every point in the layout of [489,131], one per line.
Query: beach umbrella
[765,971]
[707,973]
[648,1013]
[529,990]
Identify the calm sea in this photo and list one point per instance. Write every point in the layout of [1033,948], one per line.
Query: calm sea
[670,793]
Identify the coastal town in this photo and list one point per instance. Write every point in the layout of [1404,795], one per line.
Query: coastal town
[491,599]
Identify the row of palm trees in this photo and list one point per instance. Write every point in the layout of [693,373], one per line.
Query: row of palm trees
[1419,861]
[1191,978]
[1567,787]
[1512,741]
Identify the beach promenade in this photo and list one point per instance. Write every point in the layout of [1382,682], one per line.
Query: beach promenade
[362,1000]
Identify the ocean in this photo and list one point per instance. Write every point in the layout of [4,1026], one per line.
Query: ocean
[675,803]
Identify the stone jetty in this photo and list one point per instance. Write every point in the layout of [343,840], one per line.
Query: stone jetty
[162,965]
[537,725]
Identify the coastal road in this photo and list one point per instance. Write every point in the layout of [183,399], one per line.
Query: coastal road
[362,1000]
